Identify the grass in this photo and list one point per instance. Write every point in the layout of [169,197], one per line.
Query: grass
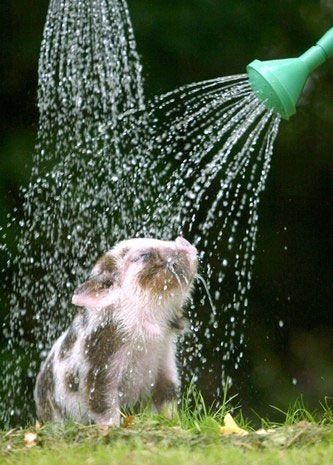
[194,437]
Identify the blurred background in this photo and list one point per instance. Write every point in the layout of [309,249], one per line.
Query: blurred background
[289,329]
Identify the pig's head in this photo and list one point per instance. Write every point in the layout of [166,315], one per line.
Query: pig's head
[149,269]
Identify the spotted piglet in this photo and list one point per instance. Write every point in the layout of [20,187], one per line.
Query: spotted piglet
[120,348]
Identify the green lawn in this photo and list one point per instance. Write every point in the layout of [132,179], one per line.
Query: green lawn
[194,437]
[147,455]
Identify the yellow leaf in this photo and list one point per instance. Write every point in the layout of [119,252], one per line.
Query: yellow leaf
[30,439]
[38,425]
[128,421]
[231,427]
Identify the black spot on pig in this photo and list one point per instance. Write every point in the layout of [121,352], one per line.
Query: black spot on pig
[107,263]
[98,388]
[100,345]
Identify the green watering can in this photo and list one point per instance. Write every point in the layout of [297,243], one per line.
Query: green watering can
[279,83]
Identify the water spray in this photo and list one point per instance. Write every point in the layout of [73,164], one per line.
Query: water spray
[279,83]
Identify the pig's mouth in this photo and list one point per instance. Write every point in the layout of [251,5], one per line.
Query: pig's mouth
[175,274]
[165,279]
[182,265]
[179,274]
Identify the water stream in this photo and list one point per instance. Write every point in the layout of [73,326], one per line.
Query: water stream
[218,139]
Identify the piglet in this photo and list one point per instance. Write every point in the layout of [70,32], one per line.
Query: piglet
[120,347]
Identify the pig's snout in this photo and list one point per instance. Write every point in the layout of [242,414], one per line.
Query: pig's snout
[186,247]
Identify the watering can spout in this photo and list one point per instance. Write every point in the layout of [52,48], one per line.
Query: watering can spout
[279,83]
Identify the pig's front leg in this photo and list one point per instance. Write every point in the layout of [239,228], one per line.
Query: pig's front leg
[103,398]
[107,418]
[107,412]
[167,383]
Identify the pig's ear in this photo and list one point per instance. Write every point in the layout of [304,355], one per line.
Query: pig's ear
[98,291]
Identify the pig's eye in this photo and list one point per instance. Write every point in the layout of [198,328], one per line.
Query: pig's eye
[146,256]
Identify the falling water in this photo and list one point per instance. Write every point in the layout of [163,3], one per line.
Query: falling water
[81,198]
[109,166]
[220,138]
